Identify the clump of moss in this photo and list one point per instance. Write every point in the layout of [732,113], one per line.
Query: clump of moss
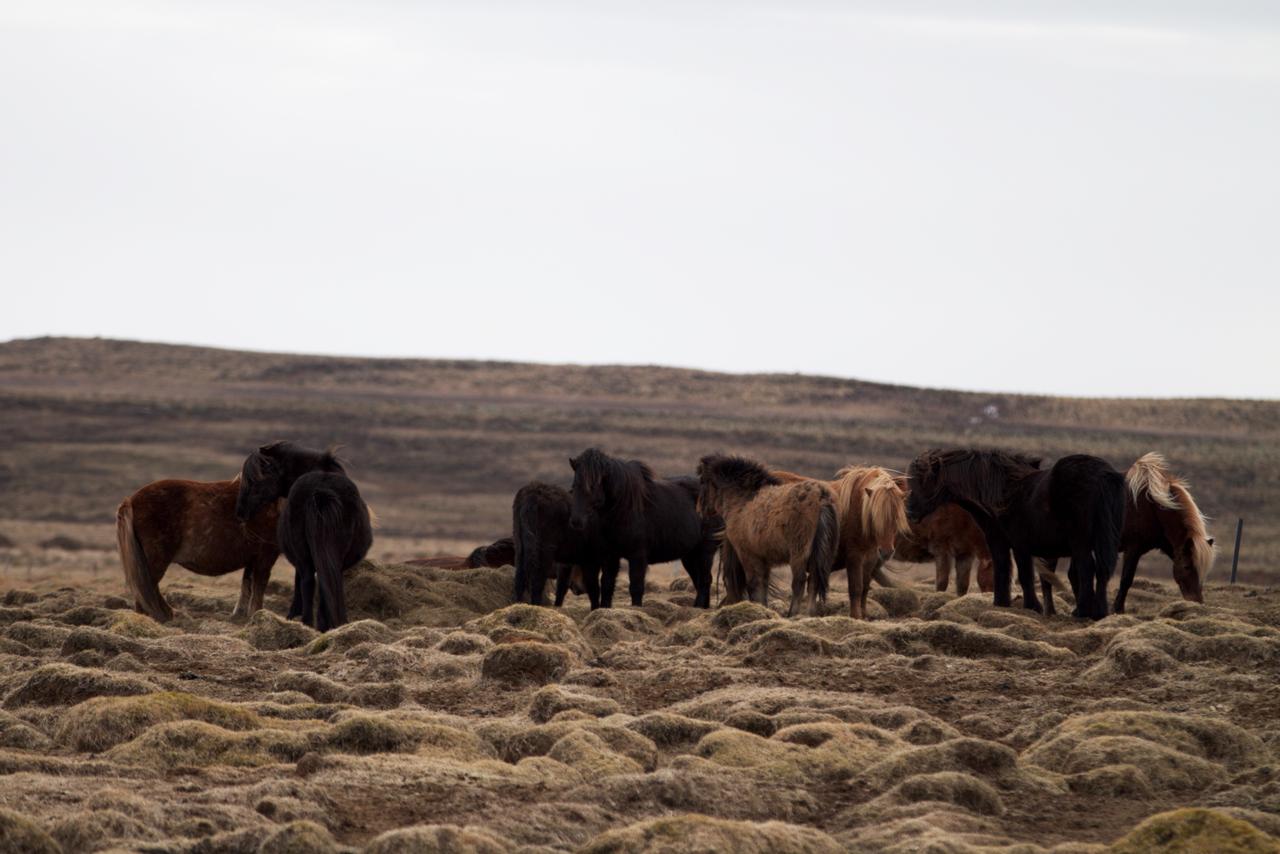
[267,631]
[704,833]
[464,643]
[730,617]
[552,700]
[315,686]
[604,627]
[950,638]
[545,623]
[588,754]
[1195,831]
[108,643]
[103,722]
[15,732]
[299,837]
[199,744]
[952,787]
[670,730]
[131,624]
[352,634]
[66,685]
[897,601]
[90,830]
[441,838]
[20,835]
[526,663]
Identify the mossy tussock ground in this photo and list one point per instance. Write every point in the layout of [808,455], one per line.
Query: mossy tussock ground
[442,718]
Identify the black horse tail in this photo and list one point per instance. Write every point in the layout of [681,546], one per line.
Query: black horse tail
[735,578]
[137,575]
[324,524]
[822,551]
[525,548]
[1108,521]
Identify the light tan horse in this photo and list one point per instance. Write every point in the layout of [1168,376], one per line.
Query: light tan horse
[768,522]
[871,504]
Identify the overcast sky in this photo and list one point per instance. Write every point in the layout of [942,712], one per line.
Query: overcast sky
[1078,198]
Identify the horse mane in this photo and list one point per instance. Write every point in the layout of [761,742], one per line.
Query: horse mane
[881,497]
[1150,475]
[982,476]
[630,479]
[736,472]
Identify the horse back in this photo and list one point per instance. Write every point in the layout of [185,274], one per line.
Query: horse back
[193,523]
[672,527]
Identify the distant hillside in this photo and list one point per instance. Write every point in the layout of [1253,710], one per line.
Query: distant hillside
[440,446]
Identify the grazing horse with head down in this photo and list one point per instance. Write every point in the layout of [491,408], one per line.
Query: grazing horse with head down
[544,542]
[768,522]
[194,525]
[1159,514]
[324,528]
[949,537]
[1075,509]
[643,518]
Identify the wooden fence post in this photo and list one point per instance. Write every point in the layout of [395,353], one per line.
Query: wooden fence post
[1235,556]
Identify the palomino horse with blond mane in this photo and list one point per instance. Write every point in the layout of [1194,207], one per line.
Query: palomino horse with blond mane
[1159,514]
[193,524]
[871,505]
[768,522]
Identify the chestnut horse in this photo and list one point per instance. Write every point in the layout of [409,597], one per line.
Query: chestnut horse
[193,524]
[871,504]
[501,552]
[325,526]
[949,537]
[768,522]
[1075,508]
[1159,514]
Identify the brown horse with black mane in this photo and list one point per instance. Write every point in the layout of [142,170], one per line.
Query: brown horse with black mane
[768,522]
[193,524]
[1159,514]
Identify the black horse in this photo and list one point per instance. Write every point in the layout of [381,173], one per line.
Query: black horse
[324,527]
[1074,509]
[544,540]
[644,519]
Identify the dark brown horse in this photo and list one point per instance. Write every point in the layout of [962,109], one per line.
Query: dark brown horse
[194,525]
[1075,508]
[768,522]
[547,545]
[325,527]
[1159,514]
[636,515]
[949,537]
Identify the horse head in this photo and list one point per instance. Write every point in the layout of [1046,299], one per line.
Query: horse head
[261,481]
[925,487]
[588,493]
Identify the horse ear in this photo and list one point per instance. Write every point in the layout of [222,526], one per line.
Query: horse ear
[867,490]
[1211,541]
[573,464]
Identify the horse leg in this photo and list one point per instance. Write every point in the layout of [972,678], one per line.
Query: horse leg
[1027,580]
[1127,572]
[964,570]
[758,582]
[609,581]
[591,581]
[699,571]
[986,575]
[564,572]
[636,571]
[1003,576]
[253,588]
[304,590]
[1082,566]
[1046,588]
[295,604]
[942,571]
[798,584]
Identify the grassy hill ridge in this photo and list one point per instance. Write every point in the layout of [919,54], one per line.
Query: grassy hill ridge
[439,446]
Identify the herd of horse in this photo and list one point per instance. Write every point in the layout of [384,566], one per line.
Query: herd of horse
[954,507]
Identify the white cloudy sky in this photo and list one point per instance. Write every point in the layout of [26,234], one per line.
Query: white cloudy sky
[1063,197]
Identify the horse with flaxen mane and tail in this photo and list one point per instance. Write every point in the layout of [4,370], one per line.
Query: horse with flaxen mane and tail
[325,526]
[871,504]
[1073,509]
[193,524]
[768,521]
[636,515]
[1161,514]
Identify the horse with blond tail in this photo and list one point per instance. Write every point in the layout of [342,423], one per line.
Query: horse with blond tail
[1159,514]
[768,522]
[872,505]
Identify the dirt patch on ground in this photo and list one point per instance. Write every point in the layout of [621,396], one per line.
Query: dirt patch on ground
[443,718]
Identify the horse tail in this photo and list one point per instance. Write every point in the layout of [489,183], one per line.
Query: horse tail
[822,550]
[323,522]
[137,575]
[730,569]
[523,546]
[1108,518]
[1050,577]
